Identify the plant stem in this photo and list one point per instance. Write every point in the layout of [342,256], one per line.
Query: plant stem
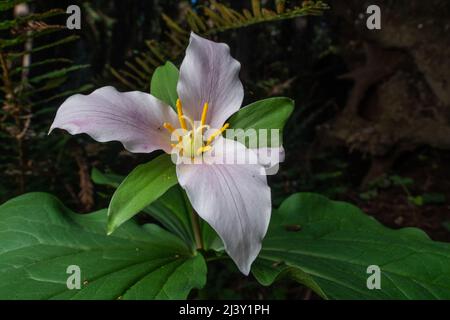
[15,112]
[196,228]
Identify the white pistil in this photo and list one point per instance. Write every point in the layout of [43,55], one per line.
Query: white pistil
[190,143]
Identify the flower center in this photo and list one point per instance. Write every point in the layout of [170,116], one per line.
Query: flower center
[192,143]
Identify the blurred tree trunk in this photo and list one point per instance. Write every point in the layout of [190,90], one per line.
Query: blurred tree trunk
[401,92]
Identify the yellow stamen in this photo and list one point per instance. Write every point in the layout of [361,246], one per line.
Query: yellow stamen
[203,149]
[218,132]
[190,142]
[189,120]
[171,129]
[205,111]
[180,114]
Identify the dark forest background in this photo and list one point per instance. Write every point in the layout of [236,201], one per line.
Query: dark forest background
[371,123]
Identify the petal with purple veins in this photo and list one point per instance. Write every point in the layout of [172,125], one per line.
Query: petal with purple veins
[209,74]
[270,158]
[233,198]
[133,118]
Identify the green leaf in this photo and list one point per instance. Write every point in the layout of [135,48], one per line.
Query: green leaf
[417,201]
[401,181]
[146,183]
[41,238]
[172,210]
[329,245]
[109,179]
[211,240]
[267,114]
[164,83]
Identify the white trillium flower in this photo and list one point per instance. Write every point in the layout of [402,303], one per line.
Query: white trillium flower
[233,198]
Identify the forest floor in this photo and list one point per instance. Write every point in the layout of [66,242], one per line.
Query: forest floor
[430,176]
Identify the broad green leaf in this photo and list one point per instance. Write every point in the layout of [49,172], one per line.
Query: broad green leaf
[40,239]
[211,240]
[146,183]
[172,210]
[329,245]
[271,113]
[164,83]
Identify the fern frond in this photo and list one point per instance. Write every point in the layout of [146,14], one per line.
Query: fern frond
[64,94]
[215,18]
[40,63]
[25,86]
[57,73]
[256,7]
[9,24]
[49,85]
[22,38]
[45,47]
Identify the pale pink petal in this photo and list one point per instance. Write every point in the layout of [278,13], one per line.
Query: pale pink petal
[270,158]
[209,74]
[133,118]
[233,198]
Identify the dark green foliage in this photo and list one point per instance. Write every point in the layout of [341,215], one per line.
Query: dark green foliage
[214,18]
[34,79]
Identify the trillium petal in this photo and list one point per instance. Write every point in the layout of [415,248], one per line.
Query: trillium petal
[234,199]
[133,118]
[270,158]
[209,74]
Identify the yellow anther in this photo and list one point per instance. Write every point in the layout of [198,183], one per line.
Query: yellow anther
[190,142]
[180,115]
[191,123]
[204,113]
[203,149]
[218,132]
[169,127]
